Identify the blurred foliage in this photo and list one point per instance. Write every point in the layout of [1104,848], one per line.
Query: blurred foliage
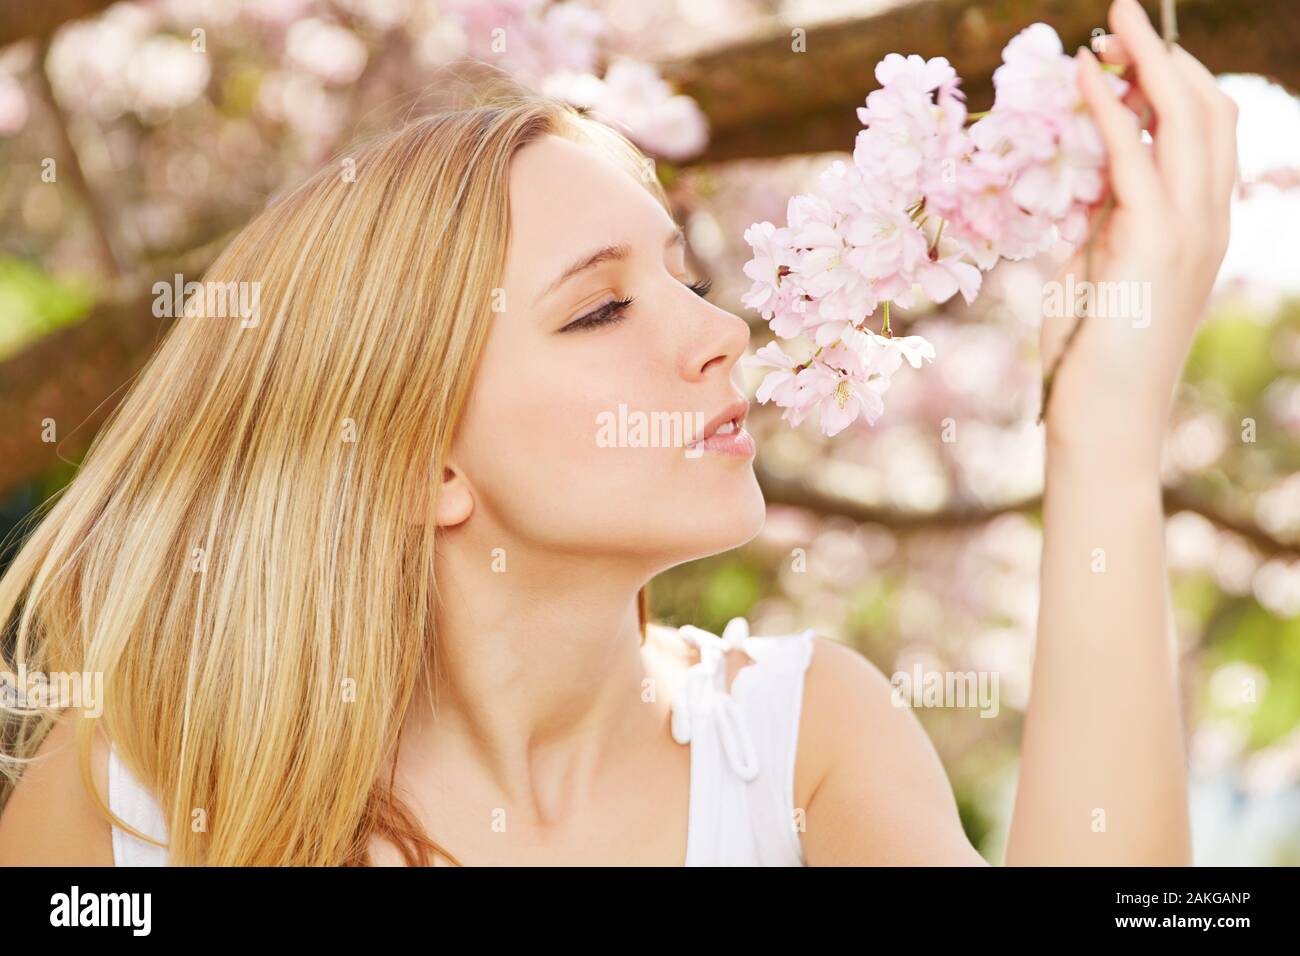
[34,304]
[1268,646]
[1233,354]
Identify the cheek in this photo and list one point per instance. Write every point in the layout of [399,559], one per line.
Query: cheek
[531,436]
[557,408]
[535,441]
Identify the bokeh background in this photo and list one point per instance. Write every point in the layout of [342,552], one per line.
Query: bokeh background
[137,137]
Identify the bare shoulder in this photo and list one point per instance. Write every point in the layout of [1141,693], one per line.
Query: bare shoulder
[868,776]
[840,684]
[50,819]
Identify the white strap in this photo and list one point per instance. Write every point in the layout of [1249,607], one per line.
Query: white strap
[704,695]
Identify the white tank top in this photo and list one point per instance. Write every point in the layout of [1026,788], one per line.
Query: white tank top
[743,749]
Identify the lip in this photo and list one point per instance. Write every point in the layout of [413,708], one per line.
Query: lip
[737,410]
[738,444]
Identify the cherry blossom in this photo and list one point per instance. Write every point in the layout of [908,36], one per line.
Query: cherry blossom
[559,47]
[927,204]
[633,97]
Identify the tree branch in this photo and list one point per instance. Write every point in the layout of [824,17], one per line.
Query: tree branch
[70,164]
[797,494]
[762,99]
[20,19]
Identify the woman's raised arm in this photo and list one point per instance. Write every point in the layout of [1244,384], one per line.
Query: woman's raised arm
[1103,776]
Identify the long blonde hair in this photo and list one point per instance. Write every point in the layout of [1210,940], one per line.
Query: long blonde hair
[237,555]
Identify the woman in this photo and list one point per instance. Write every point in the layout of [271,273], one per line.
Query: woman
[379,516]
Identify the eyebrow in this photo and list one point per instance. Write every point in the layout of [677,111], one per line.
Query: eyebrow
[606,254]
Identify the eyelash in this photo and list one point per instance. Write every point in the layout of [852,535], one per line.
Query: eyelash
[613,311]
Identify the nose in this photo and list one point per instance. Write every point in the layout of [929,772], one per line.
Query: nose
[719,342]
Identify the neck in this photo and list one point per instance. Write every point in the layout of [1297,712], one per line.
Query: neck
[538,665]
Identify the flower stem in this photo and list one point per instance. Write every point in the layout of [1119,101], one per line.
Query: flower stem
[1169,21]
[938,235]
[885,330]
[803,365]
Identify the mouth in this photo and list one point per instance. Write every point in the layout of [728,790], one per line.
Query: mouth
[725,434]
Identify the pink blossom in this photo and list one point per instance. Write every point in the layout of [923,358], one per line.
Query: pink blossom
[914,121]
[780,384]
[788,386]
[822,270]
[570,35]
[888,247]
[772,255]
[944,278]
[840,399]
[1007,141]
[330,52]
[635,98]
[881,355]
[925,207]
[557,47]
[1035,75]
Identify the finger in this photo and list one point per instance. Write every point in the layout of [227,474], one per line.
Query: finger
[1178,150]
[1133,175]
[1110,50]
[1221,110]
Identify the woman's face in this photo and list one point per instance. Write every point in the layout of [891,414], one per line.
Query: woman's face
[549,445]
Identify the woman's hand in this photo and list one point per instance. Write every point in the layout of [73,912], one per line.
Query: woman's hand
[1157,250]
[1103,776]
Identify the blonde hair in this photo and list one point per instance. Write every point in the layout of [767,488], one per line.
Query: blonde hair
[238,545]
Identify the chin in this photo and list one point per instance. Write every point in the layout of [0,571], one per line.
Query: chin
[727,519]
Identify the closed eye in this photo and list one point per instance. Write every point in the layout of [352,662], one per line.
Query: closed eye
[614,310]
[609,312]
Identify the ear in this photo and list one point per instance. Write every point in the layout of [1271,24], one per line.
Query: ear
[454,502]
